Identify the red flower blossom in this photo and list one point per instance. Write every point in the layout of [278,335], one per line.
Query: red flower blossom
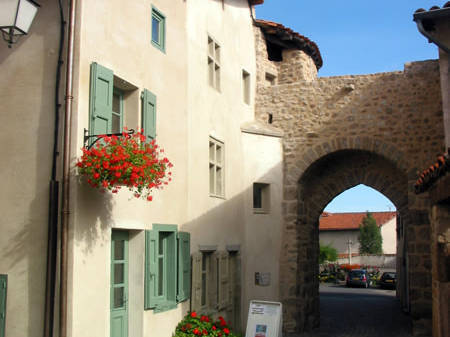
[226,331]
[196,331]
[129,160]
[193,314]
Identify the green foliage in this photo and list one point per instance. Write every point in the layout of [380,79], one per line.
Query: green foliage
[370,239]
[327,253]
[194,324]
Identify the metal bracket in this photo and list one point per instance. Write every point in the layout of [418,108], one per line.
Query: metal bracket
[87,136]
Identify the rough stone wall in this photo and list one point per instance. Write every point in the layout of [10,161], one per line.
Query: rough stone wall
[296,66]
[386,128]
[264,65]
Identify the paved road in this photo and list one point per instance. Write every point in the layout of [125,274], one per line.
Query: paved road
[359,312]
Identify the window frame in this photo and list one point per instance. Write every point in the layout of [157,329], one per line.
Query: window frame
[216,165]
[246,87]
[214,63]
[161,19]
[264,188]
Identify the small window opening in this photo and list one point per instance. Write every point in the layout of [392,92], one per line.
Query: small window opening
[270,118]
[270,79]
[274,52]
[261,198]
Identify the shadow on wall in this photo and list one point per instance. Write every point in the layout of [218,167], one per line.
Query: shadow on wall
[26,251]
[96,212]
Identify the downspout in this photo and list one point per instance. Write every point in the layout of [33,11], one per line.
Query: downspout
[251,10]
[50,289]
[66,175]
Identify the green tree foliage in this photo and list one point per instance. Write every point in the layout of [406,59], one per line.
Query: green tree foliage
[327,253]
[370,239]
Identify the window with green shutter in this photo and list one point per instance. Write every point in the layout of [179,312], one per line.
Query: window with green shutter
[101,100]
[149,113]
[167,267]
[3,288]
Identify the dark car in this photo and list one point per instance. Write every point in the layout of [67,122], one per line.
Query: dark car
[388,280]
[358,277]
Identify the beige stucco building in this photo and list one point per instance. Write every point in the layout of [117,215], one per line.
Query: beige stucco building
[172,69]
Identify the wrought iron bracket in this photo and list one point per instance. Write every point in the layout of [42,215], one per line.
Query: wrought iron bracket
[87,136]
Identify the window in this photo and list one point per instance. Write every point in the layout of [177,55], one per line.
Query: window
[158,29]
[246,86]
[110,97]
[148,114]
[167,251]
[216,164]
[210,281]
[213,63]
[261,198]
[117,111]
[3,288]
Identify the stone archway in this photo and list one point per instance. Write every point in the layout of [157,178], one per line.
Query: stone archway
[329,173]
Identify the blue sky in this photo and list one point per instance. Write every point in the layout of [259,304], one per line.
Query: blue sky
[360,198]
[357,37]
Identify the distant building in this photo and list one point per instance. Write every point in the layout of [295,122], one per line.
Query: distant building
[337,229]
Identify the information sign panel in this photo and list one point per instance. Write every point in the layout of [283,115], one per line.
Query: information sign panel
[264,319]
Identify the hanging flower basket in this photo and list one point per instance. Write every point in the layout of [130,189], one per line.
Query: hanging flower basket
[128,160]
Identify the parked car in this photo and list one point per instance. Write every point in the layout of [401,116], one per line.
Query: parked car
[388,280]
[358,277]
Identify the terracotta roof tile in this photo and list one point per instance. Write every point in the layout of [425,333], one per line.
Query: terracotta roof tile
[433,173]
[256,2]
[346,221]
[296,40]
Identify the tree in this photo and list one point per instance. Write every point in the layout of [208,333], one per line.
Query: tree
[370,239]
[327,253]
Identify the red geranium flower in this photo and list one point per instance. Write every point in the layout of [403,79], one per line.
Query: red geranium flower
[128,161]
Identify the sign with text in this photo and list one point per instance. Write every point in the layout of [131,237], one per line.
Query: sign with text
[264,319]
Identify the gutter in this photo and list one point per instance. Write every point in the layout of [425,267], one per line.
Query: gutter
[430,15]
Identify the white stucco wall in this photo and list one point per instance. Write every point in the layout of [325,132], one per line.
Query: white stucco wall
[119,38]
[27,86]
[262,230]
[389,234]
[339,239]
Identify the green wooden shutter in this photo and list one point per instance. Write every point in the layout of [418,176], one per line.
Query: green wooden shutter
[184,266]
[196,295]
[3,287]
[101,97]
[224,280]
[151,269]
[149,113]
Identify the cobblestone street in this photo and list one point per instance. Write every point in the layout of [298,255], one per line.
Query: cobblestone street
[359,312]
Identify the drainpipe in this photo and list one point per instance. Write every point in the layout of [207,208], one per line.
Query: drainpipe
[66,174]
[53,199]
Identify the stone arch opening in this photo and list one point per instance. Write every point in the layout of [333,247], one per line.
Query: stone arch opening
[323,180]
